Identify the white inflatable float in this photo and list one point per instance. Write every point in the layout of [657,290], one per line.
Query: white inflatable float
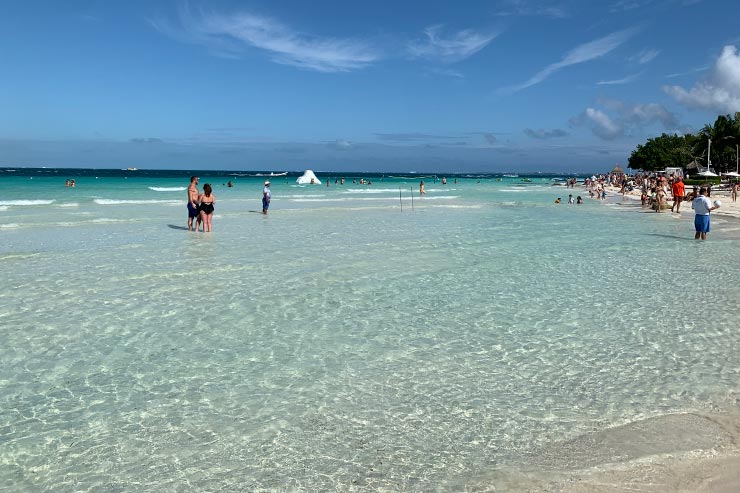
[308,178]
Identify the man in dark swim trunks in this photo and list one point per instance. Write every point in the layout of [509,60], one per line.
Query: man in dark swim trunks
[193,212]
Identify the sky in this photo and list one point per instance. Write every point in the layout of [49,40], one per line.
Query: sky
[427,86]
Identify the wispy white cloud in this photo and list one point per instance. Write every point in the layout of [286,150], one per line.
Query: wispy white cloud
[624,80]
[525,8]
[688,72]
[447,72]
[645,56]
[625,5]
[232,34]
[454,47]
[580,54]
[720,91]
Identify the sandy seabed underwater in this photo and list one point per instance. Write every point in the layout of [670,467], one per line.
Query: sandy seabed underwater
[349,342]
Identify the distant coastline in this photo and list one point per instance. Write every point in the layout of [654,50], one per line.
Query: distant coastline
[167,173]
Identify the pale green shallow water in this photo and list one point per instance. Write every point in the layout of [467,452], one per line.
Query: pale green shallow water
[341,343]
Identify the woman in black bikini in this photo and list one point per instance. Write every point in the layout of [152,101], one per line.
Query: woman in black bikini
[207,201]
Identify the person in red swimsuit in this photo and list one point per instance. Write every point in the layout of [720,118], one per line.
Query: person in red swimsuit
[678,191]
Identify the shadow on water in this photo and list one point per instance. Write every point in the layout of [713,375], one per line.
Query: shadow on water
[181,228]
[673,237]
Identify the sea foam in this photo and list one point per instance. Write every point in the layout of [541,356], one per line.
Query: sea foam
[26,202]
[168,189]
[134,202]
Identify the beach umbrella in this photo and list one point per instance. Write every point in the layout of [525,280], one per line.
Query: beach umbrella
[732,174]
[707,173]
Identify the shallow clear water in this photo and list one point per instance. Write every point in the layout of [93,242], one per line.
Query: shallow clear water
[341,342]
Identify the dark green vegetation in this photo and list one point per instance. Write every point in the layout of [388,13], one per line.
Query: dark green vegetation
[690,151]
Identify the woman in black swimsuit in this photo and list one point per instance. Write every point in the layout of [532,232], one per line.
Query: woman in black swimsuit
[207,201]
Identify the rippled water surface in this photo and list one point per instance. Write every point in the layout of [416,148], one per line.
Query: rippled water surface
[345,341]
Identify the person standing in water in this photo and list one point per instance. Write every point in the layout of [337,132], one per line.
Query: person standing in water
[266,196]
[207,202]
[421,188]
[702,207]
[193,213]
[678,190]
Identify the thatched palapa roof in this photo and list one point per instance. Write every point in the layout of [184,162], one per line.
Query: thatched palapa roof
[694,165]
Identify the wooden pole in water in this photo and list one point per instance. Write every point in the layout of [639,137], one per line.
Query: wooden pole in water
[399,198]
[412,198]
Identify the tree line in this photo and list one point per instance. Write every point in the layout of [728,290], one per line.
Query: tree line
[681,150]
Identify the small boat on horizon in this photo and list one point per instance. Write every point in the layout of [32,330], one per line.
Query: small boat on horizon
[272,173]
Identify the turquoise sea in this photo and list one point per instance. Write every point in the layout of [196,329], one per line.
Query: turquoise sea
[350,340]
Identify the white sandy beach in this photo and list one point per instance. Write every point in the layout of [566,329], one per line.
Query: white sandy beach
[728,209]
[672,453]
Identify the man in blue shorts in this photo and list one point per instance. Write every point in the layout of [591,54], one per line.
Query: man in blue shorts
[266,196]
[702,207]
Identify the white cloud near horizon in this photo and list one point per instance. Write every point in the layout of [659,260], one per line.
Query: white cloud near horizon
[340,145]
[602,125]
[626,118]
[449,48]
[719,91]
[230,35]
[580,54]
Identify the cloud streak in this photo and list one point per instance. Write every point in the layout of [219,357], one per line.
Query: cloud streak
[449,48]
[580,54]
[231,35]
[645,56]
[521,8]
[624,80]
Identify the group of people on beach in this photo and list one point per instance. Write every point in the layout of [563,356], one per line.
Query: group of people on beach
[200,206]
[655,192]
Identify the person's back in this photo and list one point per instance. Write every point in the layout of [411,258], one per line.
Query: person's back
[678,191]
[193,212]
[701,205]
[678,188]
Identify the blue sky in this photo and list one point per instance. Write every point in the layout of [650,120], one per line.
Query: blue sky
[427,86]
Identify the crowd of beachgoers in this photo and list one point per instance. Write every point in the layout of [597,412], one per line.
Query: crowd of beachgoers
[657,191]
